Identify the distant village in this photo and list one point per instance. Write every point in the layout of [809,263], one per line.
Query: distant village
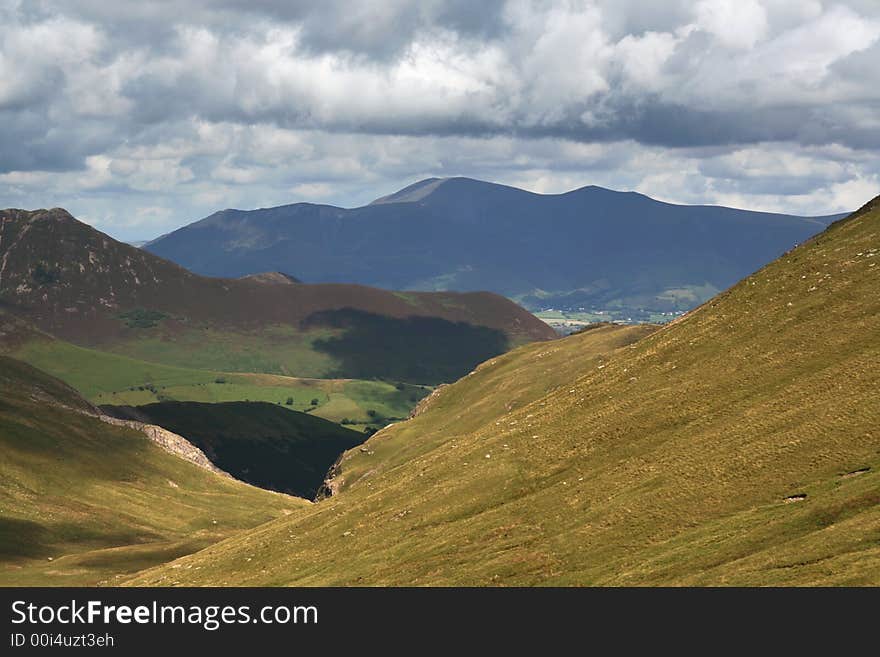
[571,320]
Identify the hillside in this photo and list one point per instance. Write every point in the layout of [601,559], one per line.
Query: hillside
[80,285]
[262,444]
[109,378]
[83,502]
[590,248]
[736,446]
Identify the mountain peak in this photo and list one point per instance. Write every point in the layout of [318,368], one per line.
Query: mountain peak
[459,187]
[272,277]
[52,214]
[412,193]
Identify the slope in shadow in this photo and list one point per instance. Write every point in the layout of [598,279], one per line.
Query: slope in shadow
[257,442]
[425,350]
[23,538]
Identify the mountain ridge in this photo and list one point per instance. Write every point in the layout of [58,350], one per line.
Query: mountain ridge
[589,247]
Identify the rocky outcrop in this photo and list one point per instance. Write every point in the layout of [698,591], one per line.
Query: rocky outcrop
[332,481]
[272,278]
[423,405]
[170,442]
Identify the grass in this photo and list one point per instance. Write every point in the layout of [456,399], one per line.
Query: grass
[344,343]
[589,462]
[83,502]
[425,350]
[273,350]
[109,378]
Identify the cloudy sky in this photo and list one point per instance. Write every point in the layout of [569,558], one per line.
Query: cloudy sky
[143,116]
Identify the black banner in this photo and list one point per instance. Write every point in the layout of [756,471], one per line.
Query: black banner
[129,621]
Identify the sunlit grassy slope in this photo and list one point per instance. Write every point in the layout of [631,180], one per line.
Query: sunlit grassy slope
[83,502]
[109,378]
[668,462]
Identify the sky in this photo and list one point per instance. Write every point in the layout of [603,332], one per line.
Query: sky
[140,117]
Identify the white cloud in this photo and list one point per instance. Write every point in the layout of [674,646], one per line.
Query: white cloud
[191,107]
[736,23]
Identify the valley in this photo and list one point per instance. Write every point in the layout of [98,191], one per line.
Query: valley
[736,445]
[732,445]
[309,308]
[108,378]
[259,443]
[568,321]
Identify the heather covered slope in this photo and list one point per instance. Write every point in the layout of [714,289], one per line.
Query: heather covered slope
[82,286]
[590,247]
[738,445]
[83,502]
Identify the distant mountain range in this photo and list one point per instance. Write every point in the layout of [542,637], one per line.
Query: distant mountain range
[591,247]
[80,285]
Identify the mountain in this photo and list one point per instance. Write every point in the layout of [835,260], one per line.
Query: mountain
[272,277]
[738,445]
[80,285]
[590,248]
[262,444]
[83,502]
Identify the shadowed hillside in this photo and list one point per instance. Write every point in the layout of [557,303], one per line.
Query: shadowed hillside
[736,446]
[263,444]
[80,285]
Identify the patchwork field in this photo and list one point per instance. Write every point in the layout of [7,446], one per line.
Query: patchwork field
[107,378]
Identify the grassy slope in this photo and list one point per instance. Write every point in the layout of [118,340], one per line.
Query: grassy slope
[101,501]
[667,464]
[262,444]
[107,378]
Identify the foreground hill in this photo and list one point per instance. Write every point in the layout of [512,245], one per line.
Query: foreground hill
[82,286]
[738,445]
[263,444]
[82,501]
[591,247]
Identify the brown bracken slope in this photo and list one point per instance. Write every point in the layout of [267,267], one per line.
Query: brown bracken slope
[79,284]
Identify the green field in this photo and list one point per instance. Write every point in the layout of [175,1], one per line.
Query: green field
[107,378]
[274,349]
[83,502]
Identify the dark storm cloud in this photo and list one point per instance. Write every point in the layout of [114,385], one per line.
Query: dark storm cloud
[219,101]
